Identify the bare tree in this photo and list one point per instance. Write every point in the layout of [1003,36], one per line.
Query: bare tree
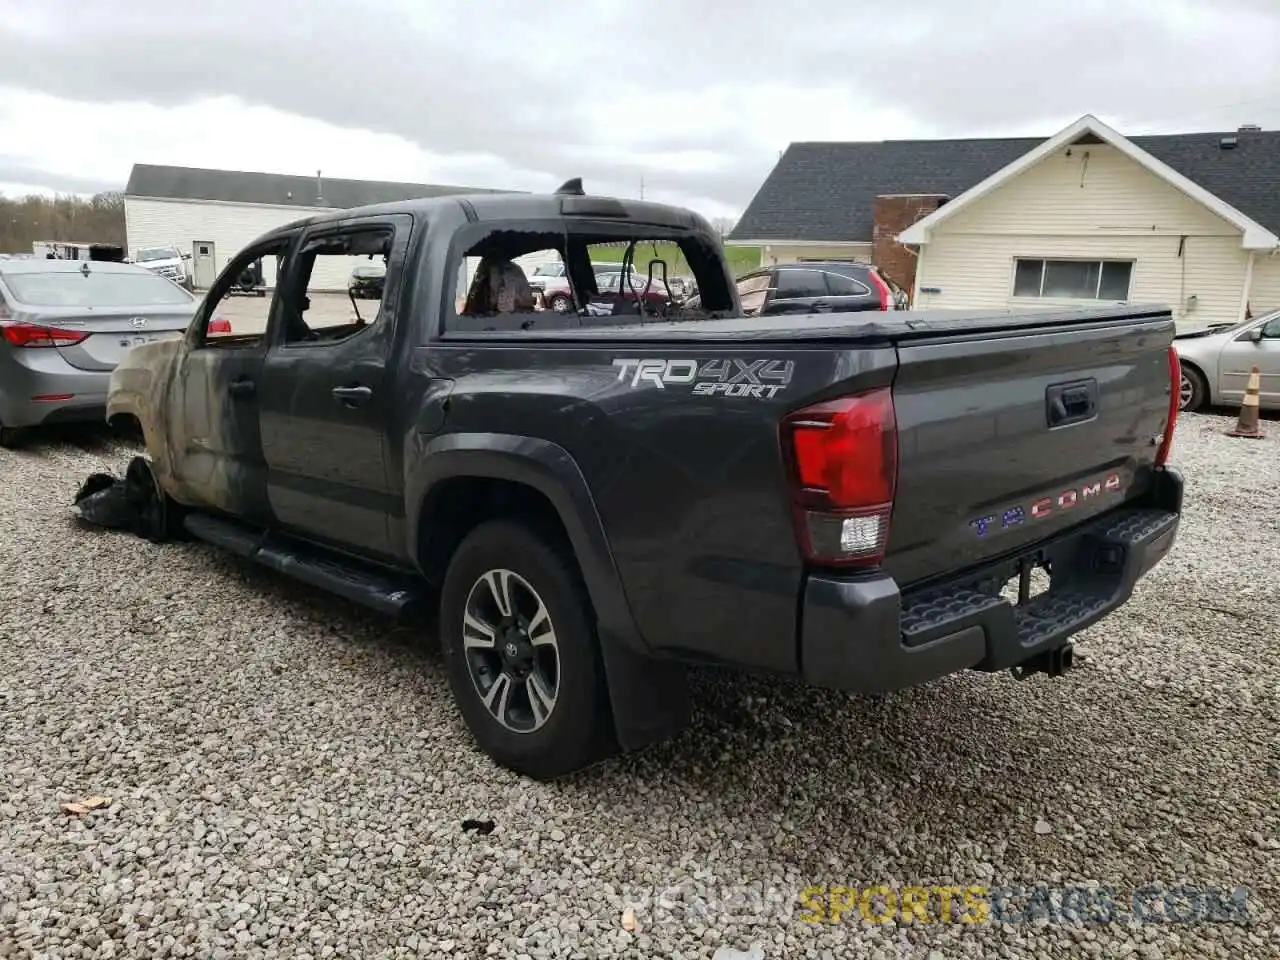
[723,225]
[69,218]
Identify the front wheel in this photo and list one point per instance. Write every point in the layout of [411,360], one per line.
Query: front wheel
[12,437]
[1192,390]
[521,652]
[158,516]
[559,303]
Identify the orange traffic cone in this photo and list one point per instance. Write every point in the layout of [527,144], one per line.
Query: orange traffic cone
[1247,424]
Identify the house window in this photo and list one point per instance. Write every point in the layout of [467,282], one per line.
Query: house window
[1073,279]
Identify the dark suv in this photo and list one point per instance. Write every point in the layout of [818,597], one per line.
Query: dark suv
[829,286]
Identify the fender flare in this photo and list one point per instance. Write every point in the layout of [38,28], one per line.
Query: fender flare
[649,696]
[551,470]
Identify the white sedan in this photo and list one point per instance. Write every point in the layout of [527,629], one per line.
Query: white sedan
[1216,362]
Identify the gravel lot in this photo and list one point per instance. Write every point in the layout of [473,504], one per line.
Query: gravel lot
[288,777]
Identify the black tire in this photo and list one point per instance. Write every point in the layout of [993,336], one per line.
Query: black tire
[560,303]
[159,515]
[12,437]
[1193,390]
[578,729]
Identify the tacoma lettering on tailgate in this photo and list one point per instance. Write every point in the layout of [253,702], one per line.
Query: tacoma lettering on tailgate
[1065,499]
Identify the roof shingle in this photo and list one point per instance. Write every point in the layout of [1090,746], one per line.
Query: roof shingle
[235,186]
[826,191]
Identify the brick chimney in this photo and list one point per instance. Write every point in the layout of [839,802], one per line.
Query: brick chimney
[892,214]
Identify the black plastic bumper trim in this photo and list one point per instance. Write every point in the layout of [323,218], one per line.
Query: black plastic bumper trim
[864,635]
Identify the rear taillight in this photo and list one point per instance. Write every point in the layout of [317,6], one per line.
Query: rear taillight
[20,334]
[1175,400]
[886,295]
[843,461]
[219,325]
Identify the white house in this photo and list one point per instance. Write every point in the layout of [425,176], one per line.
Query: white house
[1086,216]
[213,214]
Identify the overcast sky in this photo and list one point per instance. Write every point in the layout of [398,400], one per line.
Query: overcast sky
[695,99]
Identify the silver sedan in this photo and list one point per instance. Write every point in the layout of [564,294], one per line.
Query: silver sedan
[1216,362]
[64,325]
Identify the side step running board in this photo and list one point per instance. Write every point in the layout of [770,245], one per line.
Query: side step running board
[384,591]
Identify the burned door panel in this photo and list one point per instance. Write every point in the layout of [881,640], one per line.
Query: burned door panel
[213,409]
[214,431]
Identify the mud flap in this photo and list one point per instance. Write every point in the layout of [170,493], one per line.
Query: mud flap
[650,698]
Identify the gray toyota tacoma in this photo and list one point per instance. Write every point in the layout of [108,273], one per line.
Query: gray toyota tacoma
[591,501]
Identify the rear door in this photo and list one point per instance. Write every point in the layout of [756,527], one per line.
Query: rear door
[326,390]
[213,418]
[849,294]
[798,290]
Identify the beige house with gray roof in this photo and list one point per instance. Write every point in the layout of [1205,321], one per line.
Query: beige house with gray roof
[1087,216]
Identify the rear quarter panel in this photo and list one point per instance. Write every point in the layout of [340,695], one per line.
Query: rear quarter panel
[687,479]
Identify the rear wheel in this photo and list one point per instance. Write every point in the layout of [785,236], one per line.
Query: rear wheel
[521,652]
[559,303]
[1192,389]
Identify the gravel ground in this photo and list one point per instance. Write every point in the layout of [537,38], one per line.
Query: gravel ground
[288,777]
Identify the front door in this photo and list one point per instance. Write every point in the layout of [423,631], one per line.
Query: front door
[1242,354]
[327,407]
[204,264]
[213,423]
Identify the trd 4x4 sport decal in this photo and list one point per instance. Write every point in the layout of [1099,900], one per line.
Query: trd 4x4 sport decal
[761,379]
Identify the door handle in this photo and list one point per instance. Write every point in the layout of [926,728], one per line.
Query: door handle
[352,396]
[242,387]
[821,306]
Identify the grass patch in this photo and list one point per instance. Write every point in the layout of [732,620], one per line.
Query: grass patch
[741,259]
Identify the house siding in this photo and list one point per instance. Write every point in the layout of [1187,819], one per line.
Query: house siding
[1093,203]
[230,226]
[1265,294]
[771,255]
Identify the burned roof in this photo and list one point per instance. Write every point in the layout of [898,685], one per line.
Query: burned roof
[531,211]
[236,186]
[826,191]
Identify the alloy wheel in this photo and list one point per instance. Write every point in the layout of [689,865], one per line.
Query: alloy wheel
[1186,390]
[509,644]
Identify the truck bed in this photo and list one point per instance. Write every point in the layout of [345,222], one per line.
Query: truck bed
[862,328]
[689,480]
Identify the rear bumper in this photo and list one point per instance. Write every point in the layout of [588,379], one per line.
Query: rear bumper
[864,635]
[47,390]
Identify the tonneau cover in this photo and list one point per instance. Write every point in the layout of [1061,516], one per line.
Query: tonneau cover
[807,328]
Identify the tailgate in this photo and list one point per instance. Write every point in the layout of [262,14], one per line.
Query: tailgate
[1008,438]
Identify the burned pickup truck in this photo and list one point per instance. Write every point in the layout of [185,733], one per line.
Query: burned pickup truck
[591,501]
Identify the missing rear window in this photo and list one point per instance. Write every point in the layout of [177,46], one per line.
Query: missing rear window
[588,275]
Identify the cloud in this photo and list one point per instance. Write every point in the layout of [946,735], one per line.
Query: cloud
[695,100]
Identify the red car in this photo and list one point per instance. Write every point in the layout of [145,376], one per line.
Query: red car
[609,285]
[552,282]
